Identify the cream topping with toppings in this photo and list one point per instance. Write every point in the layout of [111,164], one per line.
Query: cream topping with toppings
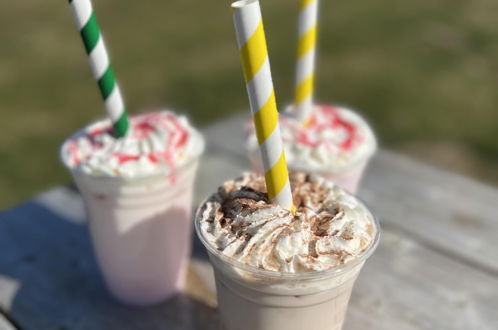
[330,227]
[333,138]
[156,142]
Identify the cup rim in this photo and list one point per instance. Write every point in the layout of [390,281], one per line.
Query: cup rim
[331,272]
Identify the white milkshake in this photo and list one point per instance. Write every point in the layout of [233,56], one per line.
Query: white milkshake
[138,193]
[335,143]
[278,270]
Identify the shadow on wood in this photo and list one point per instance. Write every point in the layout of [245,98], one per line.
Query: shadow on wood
[52,280]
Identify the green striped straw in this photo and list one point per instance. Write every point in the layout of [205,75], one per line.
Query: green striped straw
[99,62]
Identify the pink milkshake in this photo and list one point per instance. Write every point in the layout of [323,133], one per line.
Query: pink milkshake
[138,196]
[278,270]
[335,143]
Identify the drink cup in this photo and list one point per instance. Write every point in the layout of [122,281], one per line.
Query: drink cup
[344,171]
[141,232]
[141,229]
[254,299]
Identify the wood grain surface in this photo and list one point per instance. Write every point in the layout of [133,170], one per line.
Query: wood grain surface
[435,268]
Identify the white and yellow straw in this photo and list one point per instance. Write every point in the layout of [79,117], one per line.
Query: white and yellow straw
[305,66]
[254,55]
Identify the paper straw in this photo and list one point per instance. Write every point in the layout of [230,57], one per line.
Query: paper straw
[254,55]
[305,66]
[99,62]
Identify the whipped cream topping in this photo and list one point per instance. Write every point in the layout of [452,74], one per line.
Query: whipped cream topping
[333,138]
[156,142]
[330,227]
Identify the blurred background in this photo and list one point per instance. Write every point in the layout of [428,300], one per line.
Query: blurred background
[425,73]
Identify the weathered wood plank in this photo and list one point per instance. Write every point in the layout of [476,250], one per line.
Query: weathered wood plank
[456,215]
[49,279]
[405,285]
[58,285]
[452,214]
[409,285]
[416,280]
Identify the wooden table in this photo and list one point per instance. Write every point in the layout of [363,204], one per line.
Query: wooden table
[436,266]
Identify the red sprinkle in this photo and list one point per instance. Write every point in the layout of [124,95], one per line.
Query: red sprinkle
[182,139]
[303,138]
[331,118]
[142,129]
[73,150]
[123,158]
[153,158]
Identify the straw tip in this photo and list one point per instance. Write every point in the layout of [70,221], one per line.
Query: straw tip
[242,3]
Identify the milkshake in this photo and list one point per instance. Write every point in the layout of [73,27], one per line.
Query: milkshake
[278,270]
[137,192]
[335,143]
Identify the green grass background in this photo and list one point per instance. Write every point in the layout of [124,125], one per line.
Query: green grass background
[424,72]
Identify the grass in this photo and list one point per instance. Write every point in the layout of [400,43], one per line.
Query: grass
[423,72]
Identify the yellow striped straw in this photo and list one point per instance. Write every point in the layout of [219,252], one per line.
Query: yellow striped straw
[254,55]
[305,66]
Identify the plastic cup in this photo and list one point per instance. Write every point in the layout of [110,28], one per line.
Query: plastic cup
[254,299]
[348,175]
[141,231]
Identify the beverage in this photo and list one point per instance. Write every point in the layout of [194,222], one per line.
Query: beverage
[276,270]
[335,143]
[137,192]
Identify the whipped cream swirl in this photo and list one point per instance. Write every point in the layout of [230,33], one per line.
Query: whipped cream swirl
[156,142]
[334,138]
[330,227]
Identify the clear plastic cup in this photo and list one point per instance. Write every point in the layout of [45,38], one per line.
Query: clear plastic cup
[141,231]
[254,299]
[347,175]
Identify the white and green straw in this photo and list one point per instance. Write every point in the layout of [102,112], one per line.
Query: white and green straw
[99,62]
